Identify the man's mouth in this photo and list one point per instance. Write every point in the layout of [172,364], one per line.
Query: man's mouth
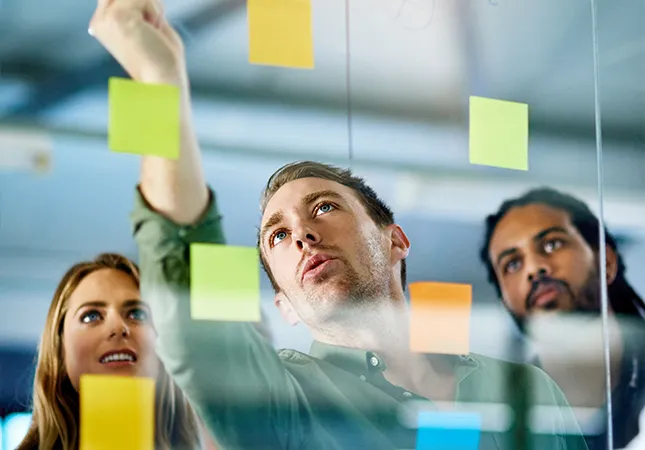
[545,295]
[315,265]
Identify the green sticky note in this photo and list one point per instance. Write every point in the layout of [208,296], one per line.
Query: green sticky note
[499,133]
[224,283]
[144,118]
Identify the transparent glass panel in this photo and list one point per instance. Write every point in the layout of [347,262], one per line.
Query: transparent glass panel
[621,67]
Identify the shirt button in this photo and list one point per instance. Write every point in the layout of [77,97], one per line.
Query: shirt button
[362,377]
[407,394]
[374,361]
[183,232]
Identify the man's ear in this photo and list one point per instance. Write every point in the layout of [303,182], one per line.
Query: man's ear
[400,244]
[611,264]
[286,309]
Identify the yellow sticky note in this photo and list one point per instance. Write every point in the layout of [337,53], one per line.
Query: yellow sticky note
[280,33]
[499,133]
[224,283]
[117,412]
[144,118]
[440,317]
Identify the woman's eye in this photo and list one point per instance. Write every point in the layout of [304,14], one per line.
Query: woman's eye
[139,315]
[325,208]
[90,316]
[279,236]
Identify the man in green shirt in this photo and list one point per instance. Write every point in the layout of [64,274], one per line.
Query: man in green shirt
[337,262]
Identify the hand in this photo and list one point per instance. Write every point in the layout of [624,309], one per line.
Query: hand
[138,36]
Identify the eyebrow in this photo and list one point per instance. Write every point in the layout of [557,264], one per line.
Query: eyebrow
[102,304]
[308,199]
[537,237]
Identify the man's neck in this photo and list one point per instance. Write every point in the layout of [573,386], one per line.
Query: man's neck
[573,355]
[381,329]
[386,332]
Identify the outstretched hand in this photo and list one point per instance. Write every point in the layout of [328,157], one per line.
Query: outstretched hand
[138,36]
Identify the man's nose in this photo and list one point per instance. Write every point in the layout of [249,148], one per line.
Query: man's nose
[537,268]
[306,236]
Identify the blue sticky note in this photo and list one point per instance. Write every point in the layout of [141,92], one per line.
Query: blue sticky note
[448,431]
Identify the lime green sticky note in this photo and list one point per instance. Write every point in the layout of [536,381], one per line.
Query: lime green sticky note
[224,283]
[499,133]
[117,412]
[280,33]
[144,118]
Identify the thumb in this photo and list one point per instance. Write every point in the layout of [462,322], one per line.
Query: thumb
[169,32]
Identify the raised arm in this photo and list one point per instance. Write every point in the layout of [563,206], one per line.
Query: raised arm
[137,34]
[232,376]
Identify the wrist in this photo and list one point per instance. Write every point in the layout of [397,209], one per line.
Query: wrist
[171,77]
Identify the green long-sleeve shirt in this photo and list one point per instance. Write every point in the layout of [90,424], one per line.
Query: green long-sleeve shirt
[252,397]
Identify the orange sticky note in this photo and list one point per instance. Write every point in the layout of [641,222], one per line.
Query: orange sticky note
[280,33]
[117,412]
[440,317]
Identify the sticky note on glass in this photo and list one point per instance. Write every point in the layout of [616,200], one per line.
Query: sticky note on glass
[280,33]
[448,431]
[117,412]
[440,318]
[499,133]
[144,118]
[224,283]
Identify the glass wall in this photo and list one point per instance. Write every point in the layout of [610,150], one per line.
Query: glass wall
[505,136]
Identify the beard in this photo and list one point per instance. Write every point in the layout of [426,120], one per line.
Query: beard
[589,297]
[352,295]
[586,302]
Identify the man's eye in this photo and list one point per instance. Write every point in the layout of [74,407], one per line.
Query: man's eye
[325,208]
[90,316]
[552,245]
[279,236]
[512,266]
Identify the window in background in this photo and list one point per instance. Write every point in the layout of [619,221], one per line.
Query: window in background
[14,430]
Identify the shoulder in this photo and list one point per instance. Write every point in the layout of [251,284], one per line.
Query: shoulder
[521,376]
[291,356]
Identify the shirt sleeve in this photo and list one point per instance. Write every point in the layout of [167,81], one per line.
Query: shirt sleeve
[571,432]
[552,414]
[233,378]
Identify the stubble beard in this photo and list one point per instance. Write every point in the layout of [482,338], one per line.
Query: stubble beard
[358,295]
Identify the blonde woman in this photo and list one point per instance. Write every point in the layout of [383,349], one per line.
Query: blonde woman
[98,324]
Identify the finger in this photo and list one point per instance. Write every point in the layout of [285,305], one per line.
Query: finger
[168,31]
[153,13]
[99,12]
[116,11]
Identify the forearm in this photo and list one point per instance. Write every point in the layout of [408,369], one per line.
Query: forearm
[232,376]
[177,188]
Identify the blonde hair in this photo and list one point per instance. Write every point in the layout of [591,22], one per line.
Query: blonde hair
[55,416]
